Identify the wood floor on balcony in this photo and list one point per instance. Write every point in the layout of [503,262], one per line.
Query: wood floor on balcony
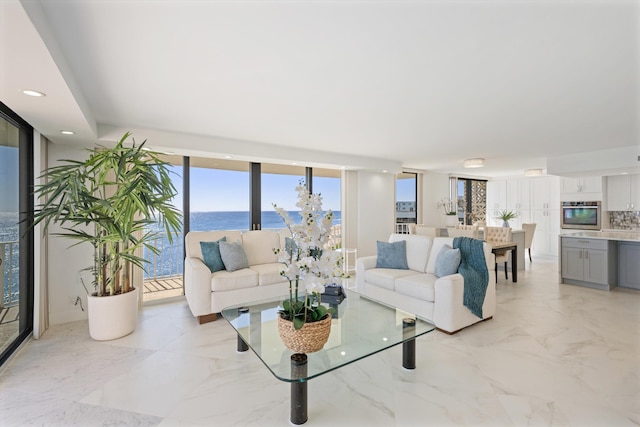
[165,287]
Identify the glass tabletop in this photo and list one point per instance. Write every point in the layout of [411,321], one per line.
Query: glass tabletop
[359,328]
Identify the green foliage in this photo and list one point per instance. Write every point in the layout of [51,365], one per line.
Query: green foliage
[507,215]
[108,201]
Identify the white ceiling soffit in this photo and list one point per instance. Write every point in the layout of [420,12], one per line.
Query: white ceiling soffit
[424,84]
[603,162]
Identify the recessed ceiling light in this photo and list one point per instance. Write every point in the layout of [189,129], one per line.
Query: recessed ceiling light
[67,132]
[343,167]
[33,92]
[294,163]
[474,163]
[228,157]
[384,171]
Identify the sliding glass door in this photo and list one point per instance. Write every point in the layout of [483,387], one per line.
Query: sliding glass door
[16,240]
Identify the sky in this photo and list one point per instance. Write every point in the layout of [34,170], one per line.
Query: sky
[225,190]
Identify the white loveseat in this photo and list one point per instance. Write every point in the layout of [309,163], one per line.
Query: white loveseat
[208,293]
[418,290]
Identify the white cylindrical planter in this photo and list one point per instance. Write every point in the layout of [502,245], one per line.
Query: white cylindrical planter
[113,316]
[451,220]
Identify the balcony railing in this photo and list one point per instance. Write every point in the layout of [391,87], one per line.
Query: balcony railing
[9,267]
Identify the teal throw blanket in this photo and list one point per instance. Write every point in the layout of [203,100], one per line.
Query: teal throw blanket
[473,268]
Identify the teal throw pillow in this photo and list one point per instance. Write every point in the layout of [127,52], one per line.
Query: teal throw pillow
[233,256]
[447,261]
[211,254]
[392,255]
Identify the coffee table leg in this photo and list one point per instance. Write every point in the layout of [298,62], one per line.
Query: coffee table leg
[298,389]
[409,347]
[242,346]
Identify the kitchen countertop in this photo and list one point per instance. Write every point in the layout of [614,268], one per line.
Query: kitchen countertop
[619,235]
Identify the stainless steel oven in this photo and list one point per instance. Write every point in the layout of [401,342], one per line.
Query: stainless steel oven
[581,215]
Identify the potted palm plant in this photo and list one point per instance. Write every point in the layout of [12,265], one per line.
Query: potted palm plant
[506,216]
[117,200]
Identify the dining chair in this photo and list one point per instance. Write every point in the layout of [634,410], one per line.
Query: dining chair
[424,230]
[495,236]
[465,230]
[529,231]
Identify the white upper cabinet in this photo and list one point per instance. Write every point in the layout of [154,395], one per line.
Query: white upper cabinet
[623,193]
[518,194]
[581,189]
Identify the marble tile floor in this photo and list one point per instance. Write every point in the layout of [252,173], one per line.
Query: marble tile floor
[553,355]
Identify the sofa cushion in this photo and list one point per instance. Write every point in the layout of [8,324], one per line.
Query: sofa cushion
[269,274]
[259,246]
[420,286]
[193,239]
[417,250]
[437,244]
[224,280]
[211,255]
[385,277]
[233,256]
[392,255]
[447,261]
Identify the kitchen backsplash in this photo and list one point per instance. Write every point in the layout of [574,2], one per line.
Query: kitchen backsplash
[624,220]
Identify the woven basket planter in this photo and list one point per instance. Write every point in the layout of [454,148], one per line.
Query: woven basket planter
[308,339]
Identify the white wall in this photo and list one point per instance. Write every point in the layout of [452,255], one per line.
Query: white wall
[65,263]
[375,210]
[435,187]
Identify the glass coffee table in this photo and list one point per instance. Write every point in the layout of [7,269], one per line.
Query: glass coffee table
[360,327]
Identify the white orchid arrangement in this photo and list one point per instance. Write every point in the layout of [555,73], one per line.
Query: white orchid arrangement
[308,257]
[448,206]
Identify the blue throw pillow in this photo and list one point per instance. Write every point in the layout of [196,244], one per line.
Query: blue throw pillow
[290,245]
[447,261]
[233,256]
[392,255]
[211,254]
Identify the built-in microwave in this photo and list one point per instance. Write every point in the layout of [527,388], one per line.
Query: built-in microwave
[581,215]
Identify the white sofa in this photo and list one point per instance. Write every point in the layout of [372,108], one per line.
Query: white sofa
[208,293]
[418,290]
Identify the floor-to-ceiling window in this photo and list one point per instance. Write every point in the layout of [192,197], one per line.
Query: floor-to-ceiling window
[472,200]
[278,185]
[16,238]
[163,272]
[328,183]
[406,201]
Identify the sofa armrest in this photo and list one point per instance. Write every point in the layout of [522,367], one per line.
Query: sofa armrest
[449,302]
[363,264]
[197,286]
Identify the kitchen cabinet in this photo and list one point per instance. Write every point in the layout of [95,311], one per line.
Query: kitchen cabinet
[629,265]
[581,189]
[545,212]
[518,194]
[496,200]
[589,262]
[623,193]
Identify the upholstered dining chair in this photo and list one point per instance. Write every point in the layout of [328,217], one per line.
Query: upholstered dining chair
[529,230]
[424,230]
[497,235]
[464,230]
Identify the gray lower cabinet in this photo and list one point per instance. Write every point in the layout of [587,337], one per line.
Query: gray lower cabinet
[629,265]
[589,262]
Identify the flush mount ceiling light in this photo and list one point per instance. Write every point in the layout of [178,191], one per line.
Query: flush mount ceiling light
[474,163]
[67,132]
[31,92]
[533,172]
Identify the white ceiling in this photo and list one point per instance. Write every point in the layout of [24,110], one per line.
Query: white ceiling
[422,84]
